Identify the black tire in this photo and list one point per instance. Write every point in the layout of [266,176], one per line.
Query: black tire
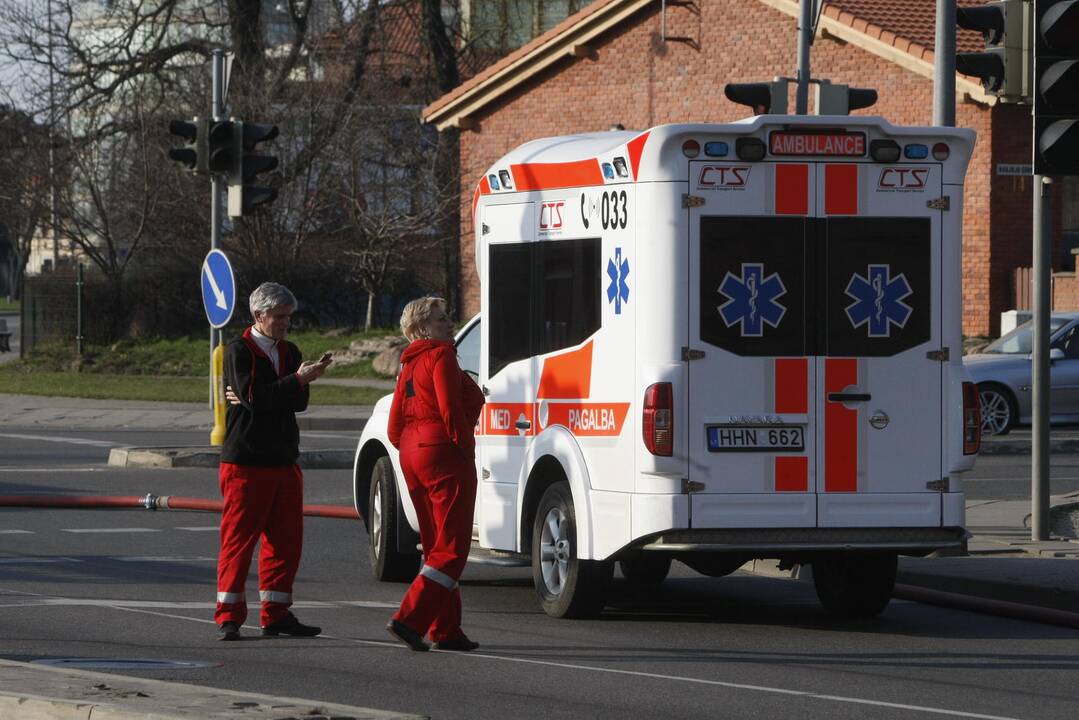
[855,585]
[999,411]
[567,586]
[645,570]
[388,563]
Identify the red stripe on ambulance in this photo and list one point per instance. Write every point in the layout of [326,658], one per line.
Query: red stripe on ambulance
[840,428]
[502,418]
[792,189]
[841,189]
[791,473]
[550,176]
[635,147]
[588,419]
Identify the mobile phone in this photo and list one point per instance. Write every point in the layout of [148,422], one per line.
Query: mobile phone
[325,357]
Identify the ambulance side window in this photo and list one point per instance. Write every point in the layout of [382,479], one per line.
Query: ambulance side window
[468,351]
[510,308]
[567,295]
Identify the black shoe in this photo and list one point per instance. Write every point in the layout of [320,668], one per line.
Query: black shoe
[289,625]
[461,644]
[407,635]
[228,631]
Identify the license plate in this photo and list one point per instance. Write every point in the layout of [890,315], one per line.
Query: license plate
[756,438]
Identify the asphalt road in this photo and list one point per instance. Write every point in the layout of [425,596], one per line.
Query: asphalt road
[139,584]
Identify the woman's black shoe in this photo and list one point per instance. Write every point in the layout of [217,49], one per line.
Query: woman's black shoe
[461,644]
[228,631]
[289,625]
[407,635]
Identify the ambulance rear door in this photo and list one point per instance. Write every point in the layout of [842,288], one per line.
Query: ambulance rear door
[750,418]
[879,441]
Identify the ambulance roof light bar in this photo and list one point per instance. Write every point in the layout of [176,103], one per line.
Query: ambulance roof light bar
[771,98]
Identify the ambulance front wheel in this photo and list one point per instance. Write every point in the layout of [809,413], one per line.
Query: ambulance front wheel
[568,587]
[388,562]
[855,585]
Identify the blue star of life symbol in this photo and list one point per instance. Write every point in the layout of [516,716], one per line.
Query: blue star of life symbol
[878,300]
[752,299]
[618,290]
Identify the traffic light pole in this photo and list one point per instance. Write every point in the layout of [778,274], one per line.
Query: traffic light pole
[944,65]
[215,193]
[805,39]
[1039,461]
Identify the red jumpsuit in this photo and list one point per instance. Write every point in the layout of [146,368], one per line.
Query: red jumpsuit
[432,422]
[261,484]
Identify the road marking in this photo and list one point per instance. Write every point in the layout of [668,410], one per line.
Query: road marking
[208,528]
[57,469]
[16,532]
[71,441]
[109,530]
[631,673]
[163,558]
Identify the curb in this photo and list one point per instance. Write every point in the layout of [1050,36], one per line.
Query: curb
[210,457]
[103,696]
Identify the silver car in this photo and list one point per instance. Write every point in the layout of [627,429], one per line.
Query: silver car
[1003,373]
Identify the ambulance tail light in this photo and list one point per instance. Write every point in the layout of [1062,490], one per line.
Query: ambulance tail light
[941,151]
[658,420]
[750,149]
[972,419]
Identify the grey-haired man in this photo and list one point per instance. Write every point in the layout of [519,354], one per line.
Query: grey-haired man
[261,483]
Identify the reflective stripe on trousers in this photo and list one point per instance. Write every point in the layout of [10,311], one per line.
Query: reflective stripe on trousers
[438,576]
[275,596]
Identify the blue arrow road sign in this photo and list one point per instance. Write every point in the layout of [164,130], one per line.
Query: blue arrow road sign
[218,288]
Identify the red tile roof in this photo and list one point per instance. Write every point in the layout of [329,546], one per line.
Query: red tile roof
[912,20]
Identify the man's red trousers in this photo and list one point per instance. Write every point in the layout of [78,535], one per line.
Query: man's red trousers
[442,484]
[266,502]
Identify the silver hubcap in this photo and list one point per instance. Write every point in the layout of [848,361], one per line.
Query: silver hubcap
[376,520]
[996,413]
[555,551]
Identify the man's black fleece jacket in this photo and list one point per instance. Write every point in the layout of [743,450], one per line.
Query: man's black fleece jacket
[262,429]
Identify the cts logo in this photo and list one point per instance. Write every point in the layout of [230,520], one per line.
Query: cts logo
[551,215]
[724,177]
[903,178]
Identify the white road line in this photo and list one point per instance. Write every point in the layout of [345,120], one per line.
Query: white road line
[109,530]
[208,528]
[57,469]
[163,558]
[633,673]
[70,441]
[16,532]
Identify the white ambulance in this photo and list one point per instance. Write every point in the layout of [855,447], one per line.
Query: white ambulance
[712,343]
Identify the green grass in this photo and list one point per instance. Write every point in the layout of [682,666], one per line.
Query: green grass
[6,306]
[151,387]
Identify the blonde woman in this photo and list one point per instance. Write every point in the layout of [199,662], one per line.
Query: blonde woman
[432,422]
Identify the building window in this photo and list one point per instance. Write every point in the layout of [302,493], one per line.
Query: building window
[504,25]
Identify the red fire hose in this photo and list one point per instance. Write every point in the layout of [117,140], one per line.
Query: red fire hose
[154,502]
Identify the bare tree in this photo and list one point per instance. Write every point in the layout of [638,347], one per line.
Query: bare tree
[23,186]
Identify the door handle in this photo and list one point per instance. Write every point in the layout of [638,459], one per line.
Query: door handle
[849,397]
[522,424]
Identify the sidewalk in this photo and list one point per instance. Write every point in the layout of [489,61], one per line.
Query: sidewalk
[30,691]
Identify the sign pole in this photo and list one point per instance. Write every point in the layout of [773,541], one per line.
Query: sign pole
[1039,460]
[216,390]
[944,65]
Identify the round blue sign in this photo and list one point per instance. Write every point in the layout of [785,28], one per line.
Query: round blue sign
[218,288]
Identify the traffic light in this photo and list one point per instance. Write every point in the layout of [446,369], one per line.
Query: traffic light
[194,154]
[838,99]
[222,156]
[243,196]
[1005,65]
[1056,79]
[764,98]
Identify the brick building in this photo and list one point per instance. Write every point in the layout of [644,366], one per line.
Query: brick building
[640,63]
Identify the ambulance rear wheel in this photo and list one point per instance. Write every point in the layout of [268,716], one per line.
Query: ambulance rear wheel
[568,587]
[645,570]
[855,585]
[388,563]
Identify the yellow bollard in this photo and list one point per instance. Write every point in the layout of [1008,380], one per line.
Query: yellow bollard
[217,435]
